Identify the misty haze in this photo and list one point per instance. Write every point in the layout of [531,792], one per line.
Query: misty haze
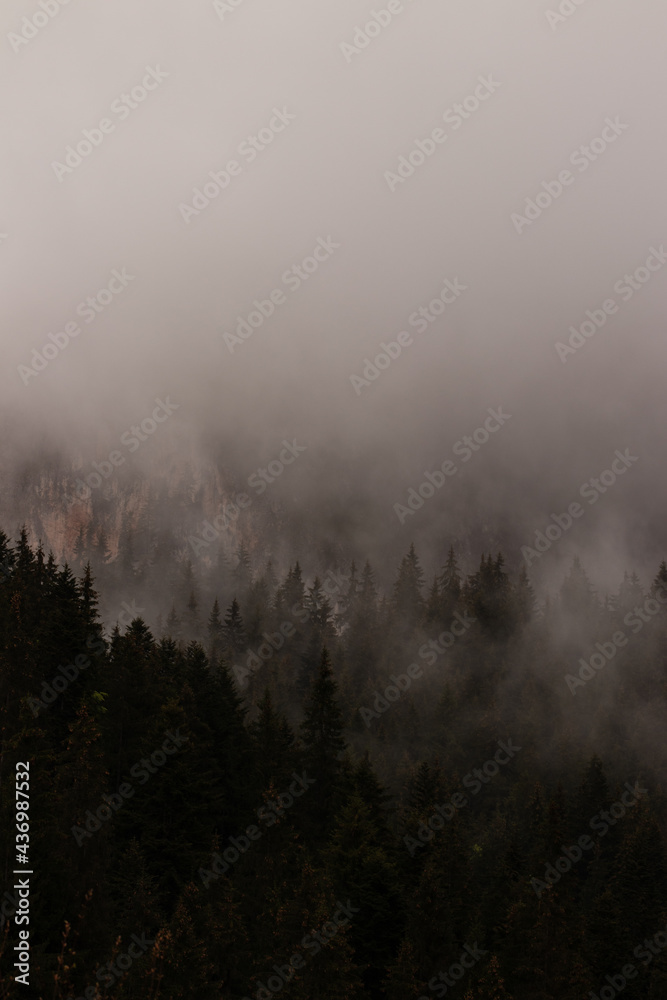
[333,550]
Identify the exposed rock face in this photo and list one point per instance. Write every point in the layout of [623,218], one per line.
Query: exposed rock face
[173,498]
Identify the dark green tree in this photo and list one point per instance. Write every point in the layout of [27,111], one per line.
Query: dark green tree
[323,744]
[215,634]
[234,636]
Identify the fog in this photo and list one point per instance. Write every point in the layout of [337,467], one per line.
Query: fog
[339,118]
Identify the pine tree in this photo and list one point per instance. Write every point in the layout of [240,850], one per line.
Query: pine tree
[275,745]
[293,592]
[405,974]
[425,786]
[433,609]
[192,622]
[577,598]
[524,599]
[323,742]
[89,598]
[450,587]
[242,575]
[270,579]
[134,891]
[174,627]
[347,601]
[319,609]
[439,904]
[257,606]
[630,594]
[187,583]
[492,985]
[319,632]
[102,552]
[490,598]
[375,796]
[234,635]
[24,556]
[80,547]
[215,636]
[407,601]
[368,590]
[367,872]
[7,558]
[660,582]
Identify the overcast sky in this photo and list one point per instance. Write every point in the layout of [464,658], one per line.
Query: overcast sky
[334,108]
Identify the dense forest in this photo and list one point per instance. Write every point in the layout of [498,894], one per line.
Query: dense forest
[310,788]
